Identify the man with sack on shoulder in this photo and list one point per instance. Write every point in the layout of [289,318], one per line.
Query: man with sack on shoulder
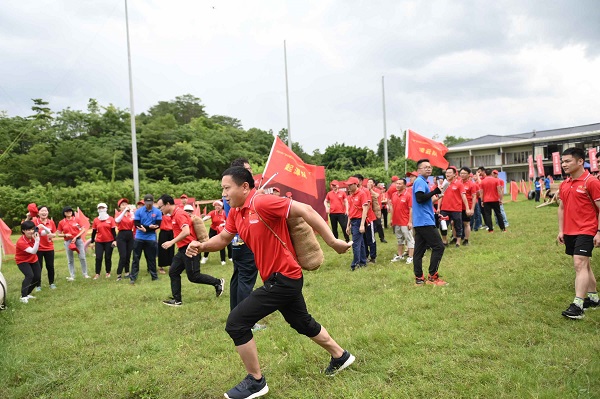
[260,220]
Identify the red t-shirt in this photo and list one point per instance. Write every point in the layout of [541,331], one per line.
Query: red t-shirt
[180,219]
[452,199]
[356,202]
[104,229]
[370,213]
[401,204]
[45,243]
[336,201]
[392,190]
[269,253]
[580,213]
[127,222]
[25,257]
[490,185]
[166,224]
[470,191]
[70,226]
[216,220]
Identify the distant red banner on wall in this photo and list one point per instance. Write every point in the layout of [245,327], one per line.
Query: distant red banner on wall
[556,169]
[539,160]
[531,171]
[593,160]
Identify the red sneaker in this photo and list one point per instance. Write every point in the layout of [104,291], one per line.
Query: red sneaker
[435,280]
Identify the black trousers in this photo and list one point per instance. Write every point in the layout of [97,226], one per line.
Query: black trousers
[342,220]
[191,266]
[125,247]
[370,242]
[427,236]
[379,229]
[165,256]
[384,216]
[244,275]
[48,257]
[104,249]
[487,215]
[33,274]
[278,293]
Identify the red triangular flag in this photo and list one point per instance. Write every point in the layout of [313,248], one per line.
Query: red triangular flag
[419,147]
[7,244]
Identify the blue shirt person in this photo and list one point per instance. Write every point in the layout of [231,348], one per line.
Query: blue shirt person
[146,220]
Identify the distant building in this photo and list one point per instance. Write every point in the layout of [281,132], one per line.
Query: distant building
[510,153]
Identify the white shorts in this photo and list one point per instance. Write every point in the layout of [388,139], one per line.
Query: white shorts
[404,236]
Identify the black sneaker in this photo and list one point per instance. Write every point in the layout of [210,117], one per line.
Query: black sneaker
[419,281]
[373,260]
[588,303]
[219,291]
[172,302]
[573,312]
[248,388]
[465,242]
[339,364]
[384,241]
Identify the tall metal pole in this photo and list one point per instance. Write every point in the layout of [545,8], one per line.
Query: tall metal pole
[287,96]
[385,146]
[134,155]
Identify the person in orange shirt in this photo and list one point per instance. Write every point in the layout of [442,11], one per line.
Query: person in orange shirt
[27,260]
[217,222]
[336,206]
[47,229]
[125,225]
[104,238]
[70,229]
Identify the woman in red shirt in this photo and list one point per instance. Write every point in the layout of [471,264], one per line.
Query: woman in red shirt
[47,230]
[27,260]
[124,222]
[217,223]
[104,238]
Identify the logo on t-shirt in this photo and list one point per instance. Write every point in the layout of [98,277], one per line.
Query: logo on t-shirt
[252,217]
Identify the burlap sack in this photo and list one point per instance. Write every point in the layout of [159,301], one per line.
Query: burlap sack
[308,251]
[375,205]
[199,228]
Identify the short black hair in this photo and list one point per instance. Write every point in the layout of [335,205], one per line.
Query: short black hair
[27,225]
[481,168]
[577,153]
[420,161]
[466,169]
[488,171]
[239,162]
[240,175]
[166,199]
[402,179]
[43,206]
[359,176]
[452,168]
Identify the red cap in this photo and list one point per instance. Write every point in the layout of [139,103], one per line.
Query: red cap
[183,196]
[352,180]
[452,167]
[288,194]
[395,178]
[334,183]
[495,171]
[140,202]
[119,202]
[413,173]
[33,210]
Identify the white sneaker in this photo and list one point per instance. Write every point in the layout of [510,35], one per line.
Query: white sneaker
[30,297]
[52,286]
[38,288]
[222,263]
[396,258]
[409,260]
[24,299]
[70,278]
[230,259]
[96,277]
[203,260]
[86,276]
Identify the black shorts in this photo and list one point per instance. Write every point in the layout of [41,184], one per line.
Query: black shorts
[581,245]
[465,218]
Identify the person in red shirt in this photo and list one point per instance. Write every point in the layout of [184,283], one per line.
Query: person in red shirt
[217,223]
[369,236]
[452,204]
[124,220]
[27,260]
[104,238]
[47,230]
[383,198]
[392,188]
[71,230]
[260,221]
[471,194]
[184,234]
[336,206]
[165,256]
[491,195]
[502,212]
[358,209]
[377,206]
[579,228]
[401,207]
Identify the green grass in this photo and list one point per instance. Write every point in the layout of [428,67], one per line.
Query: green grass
[495,331]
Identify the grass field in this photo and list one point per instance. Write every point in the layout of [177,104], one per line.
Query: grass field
[494,331]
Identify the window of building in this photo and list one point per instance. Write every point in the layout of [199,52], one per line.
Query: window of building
[512,158]
[459,162]
[484,160]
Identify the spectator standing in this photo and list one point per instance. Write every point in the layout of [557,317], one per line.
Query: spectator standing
[70,229]
[147,220]
[124,221]
[502,212]
[47,230]
[369,234]
[384,204]
[401,207]
[26,259]
[492,197]
[538,188]
[376,207]
[452,204]
[165,256]
[104,237]
[469,210]
[358,208]
[217,223]
[336,206]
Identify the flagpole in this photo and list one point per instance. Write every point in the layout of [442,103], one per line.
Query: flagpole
[405,152]
[385,147]
[287,96]
[134,155]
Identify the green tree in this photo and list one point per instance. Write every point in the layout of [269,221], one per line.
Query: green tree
[395,147]
[453,140]
[343,157]
[184,108]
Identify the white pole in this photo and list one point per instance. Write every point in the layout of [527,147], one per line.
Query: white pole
[287,97]
[134,155]
[385,147]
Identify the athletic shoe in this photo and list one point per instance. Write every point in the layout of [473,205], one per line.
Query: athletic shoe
[86,276]
[52,286]
[172,302]
[465,242]
[222,263]
[435,280]
[30,296]
[203,260]
[258,327]
[38,288]
[457,245]
[589,304]
[119,278]
[161,270]
[336,365]
[353,267]
[220,287]
[373,260]
[71,278]
[24,299]
[384,241]
[396,258]
[573,312]
[126,275]
[96,277]
[248,388]
[230,259]
[409,260]
[453,240]
[419,281]
[107,275]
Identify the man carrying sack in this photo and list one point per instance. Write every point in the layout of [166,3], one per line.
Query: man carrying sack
[260,220]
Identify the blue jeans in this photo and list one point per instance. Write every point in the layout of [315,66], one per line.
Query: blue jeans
[358,244]
[476,221]
[244,274]
[150,249]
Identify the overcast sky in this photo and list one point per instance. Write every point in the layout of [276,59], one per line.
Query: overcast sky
[462,68]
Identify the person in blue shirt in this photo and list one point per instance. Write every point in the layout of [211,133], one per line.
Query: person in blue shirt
[426,234]
[538,188]
[146,220]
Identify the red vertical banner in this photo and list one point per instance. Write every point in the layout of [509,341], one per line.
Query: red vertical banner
[531,172]
[593,160]
[540,164]
[556,170]
[514,190]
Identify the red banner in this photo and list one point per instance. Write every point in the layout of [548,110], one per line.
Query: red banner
[539,160]
[83,221]
[593,160]
[289,170]
[514,190]
[531,171]
[7,244]
[556,169]
[419,147]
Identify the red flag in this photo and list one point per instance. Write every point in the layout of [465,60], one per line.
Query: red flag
[531,172]
[7,244]
[593,160]
[540,164]
[197,210]
[83,222]
[204,212]
[289,170]
[514,190]
[556,170]
[419,147]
